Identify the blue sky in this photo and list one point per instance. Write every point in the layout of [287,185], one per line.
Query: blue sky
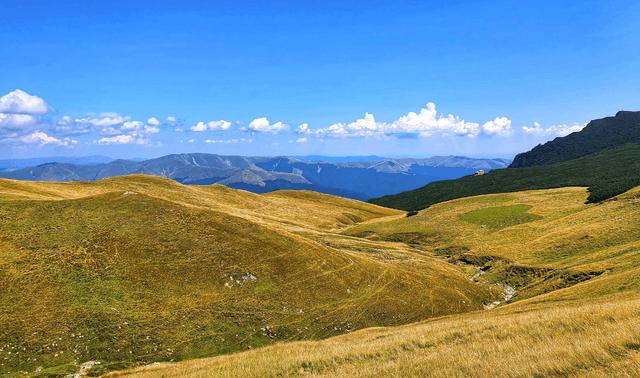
[136,79]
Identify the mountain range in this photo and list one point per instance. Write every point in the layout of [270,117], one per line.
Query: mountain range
[359,180]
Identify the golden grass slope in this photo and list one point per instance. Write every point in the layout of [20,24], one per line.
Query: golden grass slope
[581,339]
[543,241]
[576,312]
[139,269]
[309,210]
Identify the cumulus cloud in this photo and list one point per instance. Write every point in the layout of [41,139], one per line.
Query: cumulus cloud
[425,123]
[41,138]
[262,125]
[303,129]
[499,126]
[559,130]
[20,102]
[153,121]
[241,140]
[301,140]
[105,120]
[26,119]
[21,115]
[221,125]
[17,121]
[133,138]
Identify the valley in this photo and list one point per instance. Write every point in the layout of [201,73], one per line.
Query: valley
[519,272]
[136,270]
[140,269]
[574,313]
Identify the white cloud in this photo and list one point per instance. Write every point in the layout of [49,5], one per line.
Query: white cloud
[301,140]
[212,126]
[41,138]
[171,120]
[425,123]
[17,121]
[303,129]
[124,139]
[191,141]
[134,125]
[151,129]
[262,125]
[499,126]
[241,140]
[105,120]
[19,102]
[560,130]
[153,121]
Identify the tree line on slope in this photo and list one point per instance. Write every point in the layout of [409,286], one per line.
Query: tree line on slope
[607,173]
[598,135]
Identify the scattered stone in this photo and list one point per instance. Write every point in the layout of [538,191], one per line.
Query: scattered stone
[127,193]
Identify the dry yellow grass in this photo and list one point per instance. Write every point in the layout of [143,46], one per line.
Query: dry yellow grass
[349,265]
[578,339]
[147,269]
[293,210]
[565,243]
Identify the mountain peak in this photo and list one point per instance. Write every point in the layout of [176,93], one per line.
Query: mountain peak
[599,134]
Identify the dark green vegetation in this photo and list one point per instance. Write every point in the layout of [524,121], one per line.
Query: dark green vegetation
[159,271]
[598,135]
[607,173]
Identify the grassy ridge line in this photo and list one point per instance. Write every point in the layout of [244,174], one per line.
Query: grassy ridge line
[606,173]
[584,338]
[283,208]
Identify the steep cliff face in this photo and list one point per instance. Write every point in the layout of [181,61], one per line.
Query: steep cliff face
[598,135]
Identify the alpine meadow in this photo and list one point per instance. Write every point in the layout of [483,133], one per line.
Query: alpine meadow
[349,189]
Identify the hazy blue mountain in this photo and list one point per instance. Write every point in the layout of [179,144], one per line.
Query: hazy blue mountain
[339,158]
[360,180]
[31,162]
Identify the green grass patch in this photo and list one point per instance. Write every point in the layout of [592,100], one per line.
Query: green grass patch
[57,371]
[497,218]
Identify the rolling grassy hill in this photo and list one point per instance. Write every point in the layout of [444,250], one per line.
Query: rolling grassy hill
[575,312]
[140,269]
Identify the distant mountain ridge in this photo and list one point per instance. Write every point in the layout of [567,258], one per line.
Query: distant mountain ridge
[598,135]
[8,164]
[359,180]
